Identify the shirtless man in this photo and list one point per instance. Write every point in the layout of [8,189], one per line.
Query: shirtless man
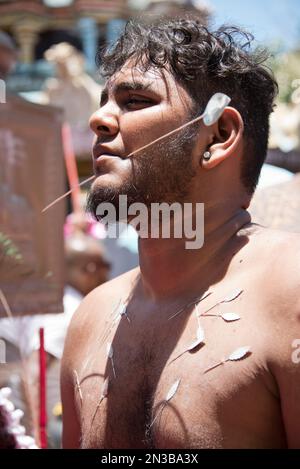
[160,77]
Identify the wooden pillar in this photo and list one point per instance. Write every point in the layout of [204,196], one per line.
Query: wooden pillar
[26,33]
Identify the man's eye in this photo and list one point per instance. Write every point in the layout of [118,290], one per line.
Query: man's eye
[136,102]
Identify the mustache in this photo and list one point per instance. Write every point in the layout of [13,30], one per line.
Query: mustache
[131,155]
[194,118]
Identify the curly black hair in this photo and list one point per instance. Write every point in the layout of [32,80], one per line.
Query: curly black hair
[206,62]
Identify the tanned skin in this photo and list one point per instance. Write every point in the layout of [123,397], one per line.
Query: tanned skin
[250,403]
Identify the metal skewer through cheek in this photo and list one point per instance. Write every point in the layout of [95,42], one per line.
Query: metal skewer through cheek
[211,114]
[67,193]
[213,111]
[172,132]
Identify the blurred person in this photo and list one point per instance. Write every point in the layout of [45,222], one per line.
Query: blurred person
[72,80]
[201,352]
[86,265]
[86,268]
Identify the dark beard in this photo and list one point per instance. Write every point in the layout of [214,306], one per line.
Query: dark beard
[162,173]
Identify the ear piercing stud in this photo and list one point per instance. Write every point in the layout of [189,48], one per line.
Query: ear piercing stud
[206,155]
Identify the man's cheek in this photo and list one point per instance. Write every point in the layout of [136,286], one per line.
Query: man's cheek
[144,128]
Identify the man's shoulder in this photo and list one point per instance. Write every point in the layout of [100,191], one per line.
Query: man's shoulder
[282,251]
[102,299]
[283,333]
[279,252]
[94,310]
[279,255]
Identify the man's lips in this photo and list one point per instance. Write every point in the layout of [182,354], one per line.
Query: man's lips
[105,156]
[100,155]
[100,150]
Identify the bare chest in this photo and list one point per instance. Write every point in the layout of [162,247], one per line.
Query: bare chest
[162,393]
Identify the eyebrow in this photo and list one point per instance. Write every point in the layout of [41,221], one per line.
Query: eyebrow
[125,86]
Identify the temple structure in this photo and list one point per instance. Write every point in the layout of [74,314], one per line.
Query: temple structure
[52,35]
[38,24]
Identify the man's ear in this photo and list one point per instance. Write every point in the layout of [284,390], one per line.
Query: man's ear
[226,136]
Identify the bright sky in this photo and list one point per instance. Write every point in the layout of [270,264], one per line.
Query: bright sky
[268,20]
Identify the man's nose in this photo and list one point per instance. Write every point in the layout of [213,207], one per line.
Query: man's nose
[103,122]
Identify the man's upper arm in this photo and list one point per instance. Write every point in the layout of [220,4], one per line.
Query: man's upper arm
[286,345]
[79,334]
[71,427]
[288,380]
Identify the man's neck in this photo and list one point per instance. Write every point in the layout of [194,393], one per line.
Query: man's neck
[169,270]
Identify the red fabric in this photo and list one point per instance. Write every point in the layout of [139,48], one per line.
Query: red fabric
[43,411]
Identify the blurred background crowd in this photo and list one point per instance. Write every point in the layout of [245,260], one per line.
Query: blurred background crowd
[47,60]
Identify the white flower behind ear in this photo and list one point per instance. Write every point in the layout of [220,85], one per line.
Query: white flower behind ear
[215,107]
